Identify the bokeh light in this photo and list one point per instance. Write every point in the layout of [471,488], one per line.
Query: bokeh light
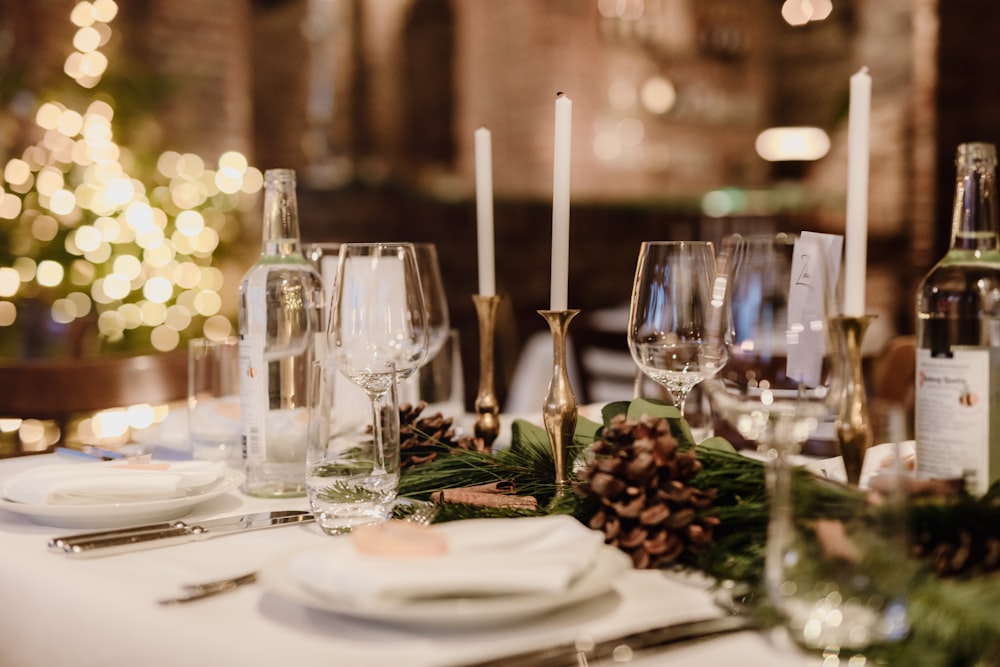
[10,281]
[8,313]
[792,143]
[50,273]
[131,249]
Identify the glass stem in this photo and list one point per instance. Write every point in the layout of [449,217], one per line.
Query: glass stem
[377,435]
[780,524]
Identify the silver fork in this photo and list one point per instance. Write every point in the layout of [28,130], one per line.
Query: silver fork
[423,514]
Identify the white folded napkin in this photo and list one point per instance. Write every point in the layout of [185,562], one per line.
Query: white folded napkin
[483,557]
[111,482]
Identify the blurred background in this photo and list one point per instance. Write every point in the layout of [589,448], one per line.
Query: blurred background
[133,136]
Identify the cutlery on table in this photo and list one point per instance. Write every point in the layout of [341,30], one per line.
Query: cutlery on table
[109,542]
[420,512]
[96,543]
[577,654]
[200,591]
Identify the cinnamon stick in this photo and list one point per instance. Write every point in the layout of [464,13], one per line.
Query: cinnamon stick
[483,499]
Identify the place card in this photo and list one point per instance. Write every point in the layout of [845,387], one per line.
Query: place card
[815,270]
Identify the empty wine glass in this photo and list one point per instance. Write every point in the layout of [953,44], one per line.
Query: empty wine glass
[668,312]
[435,298]
[773,303]
[767,338]
[433,382]
[325,257]
[377,315]
[773,384]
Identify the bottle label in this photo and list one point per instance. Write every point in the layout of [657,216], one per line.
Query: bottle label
[253,395]
[954,434]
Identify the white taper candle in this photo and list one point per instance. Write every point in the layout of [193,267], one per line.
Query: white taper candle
[856,237]
[484,212]
[560,204]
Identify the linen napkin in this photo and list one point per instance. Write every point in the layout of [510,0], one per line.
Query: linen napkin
[482,557]
[111,482]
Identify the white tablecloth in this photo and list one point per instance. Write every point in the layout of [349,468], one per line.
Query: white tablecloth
[102,612]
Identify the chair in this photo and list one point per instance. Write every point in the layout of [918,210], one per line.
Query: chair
[604,363]
[59,389]
[893,373]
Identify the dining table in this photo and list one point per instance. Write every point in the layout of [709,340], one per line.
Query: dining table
[103,611]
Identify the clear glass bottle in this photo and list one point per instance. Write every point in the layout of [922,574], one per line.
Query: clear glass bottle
[958,336]
[281,327]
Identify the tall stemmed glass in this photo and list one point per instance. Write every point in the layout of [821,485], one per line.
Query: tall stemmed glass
[773,303]
[326,257]
[377,315]
[772,298]
[435,299]
[668,314]
[773,295]
[433,381]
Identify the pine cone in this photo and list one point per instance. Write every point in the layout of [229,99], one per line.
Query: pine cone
[647,508]
[957,537]
[421,439]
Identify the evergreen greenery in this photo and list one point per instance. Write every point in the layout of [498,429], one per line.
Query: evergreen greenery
[953,621]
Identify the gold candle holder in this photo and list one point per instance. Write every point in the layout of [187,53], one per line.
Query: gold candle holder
[854,429]
[559,411]
[487,409]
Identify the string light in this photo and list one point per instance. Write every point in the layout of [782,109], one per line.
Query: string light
[801,12]
[140,253]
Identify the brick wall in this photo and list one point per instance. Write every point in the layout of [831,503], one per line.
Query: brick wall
[198,49]
[241,73]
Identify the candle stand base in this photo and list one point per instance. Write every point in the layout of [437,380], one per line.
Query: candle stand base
[487,409]
[559,412]
[854,429]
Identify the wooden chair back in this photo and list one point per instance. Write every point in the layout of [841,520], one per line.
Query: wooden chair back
[893,373]
[58,389]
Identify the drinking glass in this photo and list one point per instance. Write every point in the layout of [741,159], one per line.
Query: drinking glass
[214,400]
[766,339]
[325,257]
[432,383]
[440,382]
[377,316]
[352,476]
[435,299]
[668,314]
[774,299]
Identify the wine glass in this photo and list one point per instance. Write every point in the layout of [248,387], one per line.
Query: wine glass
[774,307]
[434,382]
[771,302]
[377,315]
[435,298]
[325,257]
[668,312]
[767,337]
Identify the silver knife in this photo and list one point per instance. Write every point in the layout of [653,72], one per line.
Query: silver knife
[179,532]
[59,544]
[574,655]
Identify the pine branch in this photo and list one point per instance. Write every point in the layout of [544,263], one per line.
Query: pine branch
[953,621]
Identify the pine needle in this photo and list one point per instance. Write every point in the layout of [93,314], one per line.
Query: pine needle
[953,622]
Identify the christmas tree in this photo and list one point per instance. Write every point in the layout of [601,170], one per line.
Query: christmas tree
[105,247]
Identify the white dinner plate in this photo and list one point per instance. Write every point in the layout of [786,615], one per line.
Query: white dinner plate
[453,612]
[115,515]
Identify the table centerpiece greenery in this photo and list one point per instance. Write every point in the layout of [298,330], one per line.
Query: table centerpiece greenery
[670,502]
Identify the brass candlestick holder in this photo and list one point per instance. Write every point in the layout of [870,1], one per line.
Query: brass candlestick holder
[559,411]
[487,409]
[854,429]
